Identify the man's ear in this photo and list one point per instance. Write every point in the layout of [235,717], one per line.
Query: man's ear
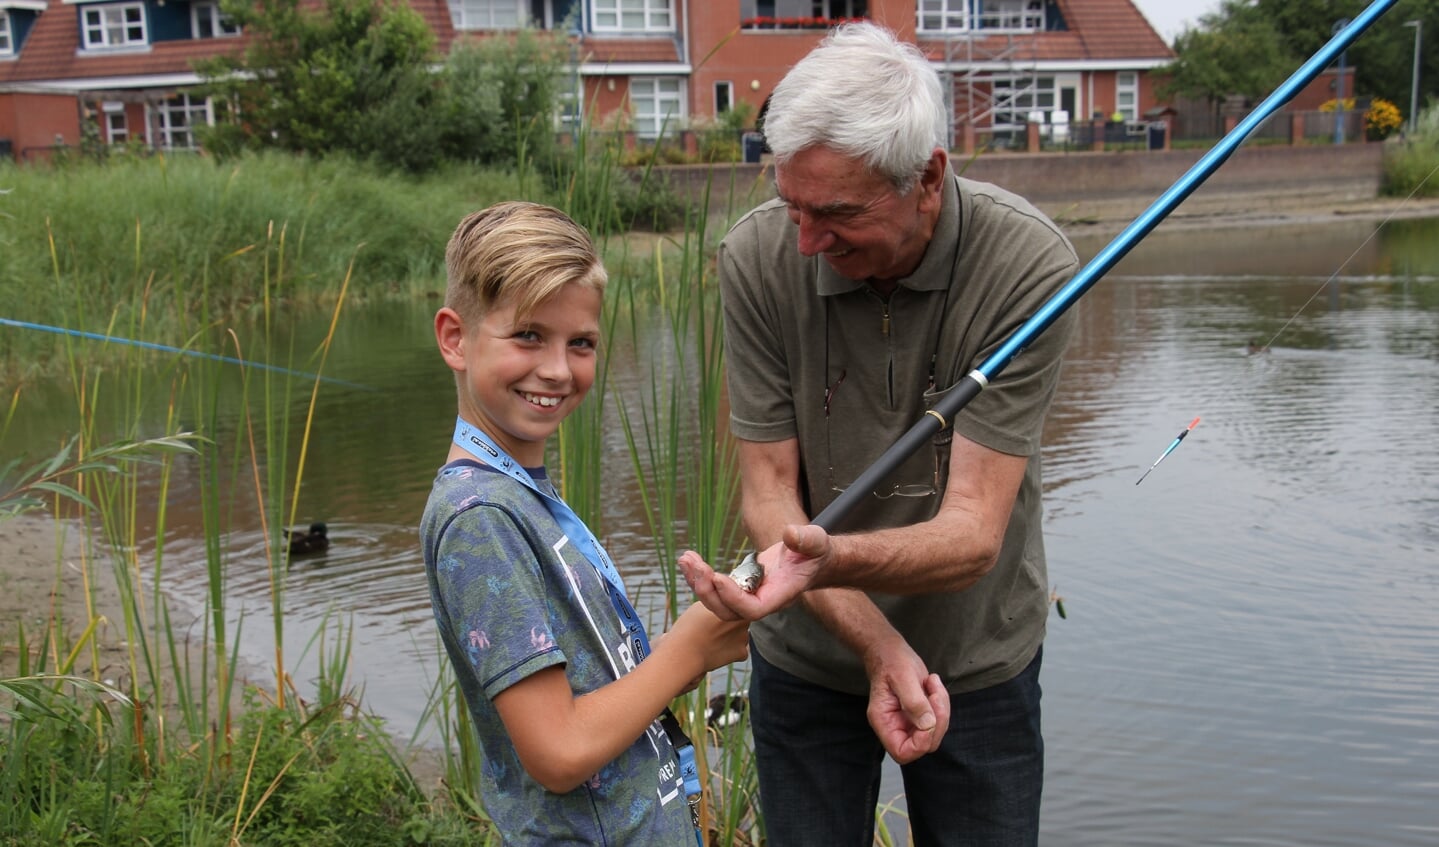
[450,336]
[931,181]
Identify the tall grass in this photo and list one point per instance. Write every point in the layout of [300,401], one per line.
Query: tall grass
[161,225]
[169,759]
[1411,165]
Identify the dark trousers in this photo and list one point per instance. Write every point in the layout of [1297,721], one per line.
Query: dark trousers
[819,765]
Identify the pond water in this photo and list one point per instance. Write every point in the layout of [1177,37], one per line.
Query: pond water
[1251,654]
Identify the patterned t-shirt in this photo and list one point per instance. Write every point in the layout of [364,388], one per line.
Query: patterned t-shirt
[512,595]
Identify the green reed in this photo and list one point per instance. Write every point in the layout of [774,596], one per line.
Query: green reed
[169,736]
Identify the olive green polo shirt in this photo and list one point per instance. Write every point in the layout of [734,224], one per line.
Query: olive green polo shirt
[815,356]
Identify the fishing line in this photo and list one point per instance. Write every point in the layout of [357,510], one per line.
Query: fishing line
[1345,263]
[165,348]
[1305,305]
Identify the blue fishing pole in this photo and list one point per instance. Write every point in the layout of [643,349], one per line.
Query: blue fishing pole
[165,348]
[942,415]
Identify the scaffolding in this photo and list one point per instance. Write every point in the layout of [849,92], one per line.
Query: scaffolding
[991,70]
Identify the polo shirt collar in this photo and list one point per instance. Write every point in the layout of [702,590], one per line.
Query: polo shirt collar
[934,270]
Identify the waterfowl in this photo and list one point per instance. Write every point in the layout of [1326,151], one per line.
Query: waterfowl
[304,543]
[725,710]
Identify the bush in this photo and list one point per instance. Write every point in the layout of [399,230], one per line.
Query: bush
[1382,120]
[1408,166]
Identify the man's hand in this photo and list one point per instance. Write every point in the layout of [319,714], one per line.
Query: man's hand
[790,568]
[908,706]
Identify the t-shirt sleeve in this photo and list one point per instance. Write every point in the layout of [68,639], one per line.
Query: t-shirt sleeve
[494,592]
[1034,261]
[761,405]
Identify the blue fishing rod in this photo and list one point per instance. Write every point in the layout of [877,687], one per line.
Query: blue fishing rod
[943,413]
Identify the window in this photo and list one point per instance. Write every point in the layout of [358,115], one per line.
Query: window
[207,21]
[487,14]
[943,15]
[724,97]
[176,119]
[1012,14]
[1126,95]
[7,40]
[117,25]
[116,130]
[658,103]
[633,15]
[838,8]
[1016,97]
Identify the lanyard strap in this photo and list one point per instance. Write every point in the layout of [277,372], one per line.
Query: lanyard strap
[473,440]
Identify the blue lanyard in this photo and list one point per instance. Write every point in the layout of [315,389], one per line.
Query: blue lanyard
[472,439]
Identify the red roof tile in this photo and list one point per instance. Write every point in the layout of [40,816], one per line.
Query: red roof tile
[600,50]
[1099,30]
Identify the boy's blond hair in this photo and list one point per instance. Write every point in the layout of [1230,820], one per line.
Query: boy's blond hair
[517,253]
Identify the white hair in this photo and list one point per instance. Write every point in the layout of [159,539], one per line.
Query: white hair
[861,93]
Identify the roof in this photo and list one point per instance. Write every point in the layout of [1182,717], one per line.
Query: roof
[603,50]
[52,51]
[1099,31]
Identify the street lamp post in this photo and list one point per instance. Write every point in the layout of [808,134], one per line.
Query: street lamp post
[1418,25]
[1339,87]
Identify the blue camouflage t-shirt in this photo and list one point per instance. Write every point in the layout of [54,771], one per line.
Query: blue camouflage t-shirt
[512,596]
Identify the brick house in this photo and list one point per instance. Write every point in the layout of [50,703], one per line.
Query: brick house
[650,66]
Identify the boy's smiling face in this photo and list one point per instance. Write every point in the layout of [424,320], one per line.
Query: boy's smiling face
[520,380]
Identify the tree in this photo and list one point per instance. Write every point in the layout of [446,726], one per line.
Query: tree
[1235,51]
[502,95]
[351,75]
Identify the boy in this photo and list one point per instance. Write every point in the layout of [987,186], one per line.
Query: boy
[546,647]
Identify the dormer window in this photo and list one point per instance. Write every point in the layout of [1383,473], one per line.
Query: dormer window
[486,14]
[114,25]
[632,16]
[7,37]
[207,21]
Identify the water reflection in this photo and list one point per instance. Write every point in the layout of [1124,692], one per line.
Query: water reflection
[1251,653]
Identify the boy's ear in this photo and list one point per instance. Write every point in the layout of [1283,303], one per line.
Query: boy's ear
[450,336]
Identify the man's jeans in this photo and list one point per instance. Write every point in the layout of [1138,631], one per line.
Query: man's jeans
[819,765]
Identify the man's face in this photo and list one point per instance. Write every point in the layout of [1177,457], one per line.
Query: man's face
[855,218]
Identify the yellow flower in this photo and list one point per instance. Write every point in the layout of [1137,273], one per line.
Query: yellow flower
[1382,119]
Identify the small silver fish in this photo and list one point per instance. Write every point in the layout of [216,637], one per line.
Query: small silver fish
[748,574]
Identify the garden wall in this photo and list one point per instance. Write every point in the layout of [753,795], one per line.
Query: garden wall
[1081,186]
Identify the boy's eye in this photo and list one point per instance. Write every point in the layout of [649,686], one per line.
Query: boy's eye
[526,335]
[585,343]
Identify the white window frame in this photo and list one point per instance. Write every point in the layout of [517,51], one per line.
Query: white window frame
[116,131]
[1012,15]
[657,102]
[942,15]
[632,15]
[1017,96]
[728,86]
[166,131]
[112,25]
[489,14]
[220,24]
[7,34]
[1126,87]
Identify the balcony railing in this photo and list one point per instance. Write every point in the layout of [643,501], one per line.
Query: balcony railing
[768,23]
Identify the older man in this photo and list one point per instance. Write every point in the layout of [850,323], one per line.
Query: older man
[872,284]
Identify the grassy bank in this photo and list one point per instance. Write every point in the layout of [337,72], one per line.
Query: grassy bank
[1411,165]
[181,243]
